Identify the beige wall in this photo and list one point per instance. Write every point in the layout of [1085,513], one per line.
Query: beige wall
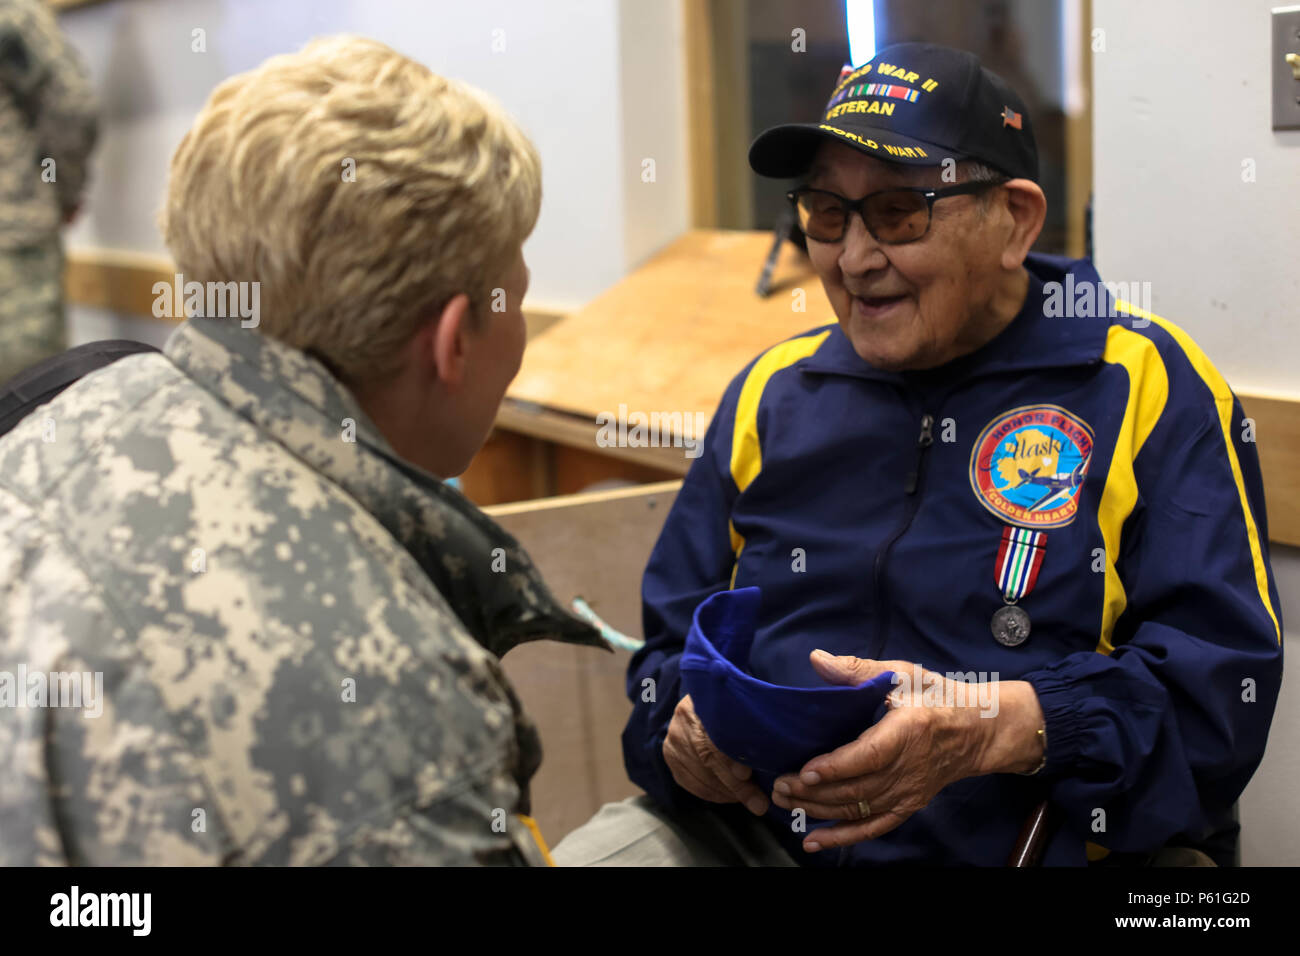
[597,84]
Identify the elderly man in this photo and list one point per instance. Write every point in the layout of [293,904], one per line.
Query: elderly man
[254,625]
[960,481]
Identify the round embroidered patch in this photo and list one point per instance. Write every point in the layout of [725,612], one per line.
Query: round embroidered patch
[1028,465]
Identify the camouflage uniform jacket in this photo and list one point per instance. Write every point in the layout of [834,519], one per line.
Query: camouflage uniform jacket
[47,112]
[298,634]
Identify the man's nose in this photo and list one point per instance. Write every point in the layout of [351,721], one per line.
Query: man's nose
[860,252]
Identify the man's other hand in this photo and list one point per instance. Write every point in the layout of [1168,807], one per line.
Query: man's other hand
[702,769]
[937,731]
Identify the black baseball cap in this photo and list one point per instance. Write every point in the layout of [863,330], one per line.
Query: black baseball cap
[912,103]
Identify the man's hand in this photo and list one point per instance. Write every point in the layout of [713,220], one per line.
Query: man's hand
[701,768]
[937,731]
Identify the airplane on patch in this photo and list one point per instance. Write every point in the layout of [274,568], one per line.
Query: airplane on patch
[1056,484]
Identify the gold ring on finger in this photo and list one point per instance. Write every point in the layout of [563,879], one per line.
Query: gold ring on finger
[864,809]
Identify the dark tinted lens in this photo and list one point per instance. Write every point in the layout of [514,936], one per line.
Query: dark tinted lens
[897,216]
[821,217]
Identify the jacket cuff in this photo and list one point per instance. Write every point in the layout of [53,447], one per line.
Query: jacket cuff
[1062,704]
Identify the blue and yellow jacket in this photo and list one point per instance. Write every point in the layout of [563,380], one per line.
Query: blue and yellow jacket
[869,507]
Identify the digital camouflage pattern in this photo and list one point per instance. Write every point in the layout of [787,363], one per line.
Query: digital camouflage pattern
[32,328]
[47,131]
[322,562]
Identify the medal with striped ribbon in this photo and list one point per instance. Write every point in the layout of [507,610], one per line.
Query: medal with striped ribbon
[1020,556]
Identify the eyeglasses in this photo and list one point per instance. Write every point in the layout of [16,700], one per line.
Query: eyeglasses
[892,216]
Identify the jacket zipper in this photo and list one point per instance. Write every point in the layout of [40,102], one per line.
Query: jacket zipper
[913,502]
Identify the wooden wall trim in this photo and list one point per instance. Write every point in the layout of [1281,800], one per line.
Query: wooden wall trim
[114,280]
[1277,436]
[582,499]
[733,182]
[123,282]
[717,113]
[701,112]
[578,432]
[1078,138]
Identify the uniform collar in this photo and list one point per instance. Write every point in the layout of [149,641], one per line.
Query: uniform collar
[1032,340]
[295,400]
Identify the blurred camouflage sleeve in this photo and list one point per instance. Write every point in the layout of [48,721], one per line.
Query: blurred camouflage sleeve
[50,87]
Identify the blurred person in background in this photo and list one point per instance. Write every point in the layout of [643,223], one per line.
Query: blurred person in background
[47,130]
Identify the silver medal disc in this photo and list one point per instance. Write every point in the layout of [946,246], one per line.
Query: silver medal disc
[1010,626]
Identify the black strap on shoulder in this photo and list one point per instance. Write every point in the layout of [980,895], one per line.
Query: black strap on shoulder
[39,384]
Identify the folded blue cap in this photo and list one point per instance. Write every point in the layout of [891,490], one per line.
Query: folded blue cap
[765,726]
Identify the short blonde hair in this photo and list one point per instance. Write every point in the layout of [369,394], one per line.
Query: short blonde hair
[360,189]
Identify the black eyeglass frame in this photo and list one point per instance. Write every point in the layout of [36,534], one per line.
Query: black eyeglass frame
[851,206]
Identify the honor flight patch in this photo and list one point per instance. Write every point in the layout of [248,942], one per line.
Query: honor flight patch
[1028,465]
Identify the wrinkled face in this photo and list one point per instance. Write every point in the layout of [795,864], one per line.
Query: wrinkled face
[496,354]
[914,305]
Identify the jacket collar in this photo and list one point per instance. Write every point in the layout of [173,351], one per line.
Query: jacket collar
[292,398]
[1032,340]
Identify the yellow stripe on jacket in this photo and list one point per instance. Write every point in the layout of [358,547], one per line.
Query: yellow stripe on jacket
[1147,394]
[1223,400]
[746,453]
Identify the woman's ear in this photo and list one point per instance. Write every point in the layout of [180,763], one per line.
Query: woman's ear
[450,341]
[1028,208]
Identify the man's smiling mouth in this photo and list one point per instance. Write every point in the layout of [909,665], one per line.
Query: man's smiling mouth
[873,305]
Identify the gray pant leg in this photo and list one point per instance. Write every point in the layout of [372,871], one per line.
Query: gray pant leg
[637,832]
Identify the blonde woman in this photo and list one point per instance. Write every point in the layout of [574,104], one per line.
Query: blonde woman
[284,627]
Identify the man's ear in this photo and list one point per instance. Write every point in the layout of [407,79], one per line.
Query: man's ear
[1028,208]
[450,343]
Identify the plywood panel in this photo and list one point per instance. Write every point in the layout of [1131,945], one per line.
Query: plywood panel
[594,545]
[1277,436]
